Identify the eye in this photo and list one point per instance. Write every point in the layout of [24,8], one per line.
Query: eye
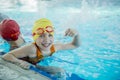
[42,35]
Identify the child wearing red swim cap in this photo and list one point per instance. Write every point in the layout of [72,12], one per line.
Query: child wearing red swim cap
[10,32]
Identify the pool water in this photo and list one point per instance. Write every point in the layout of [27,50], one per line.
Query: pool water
[98,57]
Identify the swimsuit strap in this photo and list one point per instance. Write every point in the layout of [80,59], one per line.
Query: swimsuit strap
[52,49]
[38,52]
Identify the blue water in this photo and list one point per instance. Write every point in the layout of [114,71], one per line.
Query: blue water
[98,57]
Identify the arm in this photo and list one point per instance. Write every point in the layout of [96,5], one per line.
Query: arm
[74,44]
[14,55]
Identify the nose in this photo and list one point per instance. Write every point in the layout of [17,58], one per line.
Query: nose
[46,39]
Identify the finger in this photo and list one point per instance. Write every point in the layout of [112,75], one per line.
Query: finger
[24,65]
[71,35]
[66,32]
[27,67]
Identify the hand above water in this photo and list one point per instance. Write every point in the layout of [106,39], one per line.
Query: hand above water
[71,32]
[24,64]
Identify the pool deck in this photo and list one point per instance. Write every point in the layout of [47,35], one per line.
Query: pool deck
[9,71]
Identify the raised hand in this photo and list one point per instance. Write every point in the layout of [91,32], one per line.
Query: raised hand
[71,32]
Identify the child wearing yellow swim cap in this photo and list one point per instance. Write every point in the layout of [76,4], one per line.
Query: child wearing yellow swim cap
[42,47]
[41,26]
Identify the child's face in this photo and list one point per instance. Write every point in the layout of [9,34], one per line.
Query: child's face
[45,41]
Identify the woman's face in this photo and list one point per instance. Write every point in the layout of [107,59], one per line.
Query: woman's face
[44,41]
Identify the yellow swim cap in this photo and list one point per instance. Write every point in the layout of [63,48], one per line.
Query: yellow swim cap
[41,26]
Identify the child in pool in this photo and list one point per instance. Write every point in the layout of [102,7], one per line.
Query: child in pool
[43,35]
[10,32]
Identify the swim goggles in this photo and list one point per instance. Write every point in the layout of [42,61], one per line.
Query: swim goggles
[39,31]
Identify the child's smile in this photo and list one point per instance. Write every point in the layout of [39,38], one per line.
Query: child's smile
[46,44]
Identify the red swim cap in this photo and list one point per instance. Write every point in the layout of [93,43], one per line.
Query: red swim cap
[9,30]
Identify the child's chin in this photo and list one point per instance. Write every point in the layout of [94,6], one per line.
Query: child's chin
[46,46]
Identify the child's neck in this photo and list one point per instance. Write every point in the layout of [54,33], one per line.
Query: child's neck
[45,49]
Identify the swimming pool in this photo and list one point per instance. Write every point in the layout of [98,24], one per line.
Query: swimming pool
[98,58]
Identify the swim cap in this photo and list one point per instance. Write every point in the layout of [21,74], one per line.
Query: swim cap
[9,30]
[2,17]
[41,26]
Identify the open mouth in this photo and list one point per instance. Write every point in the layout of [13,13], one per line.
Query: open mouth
[46,44]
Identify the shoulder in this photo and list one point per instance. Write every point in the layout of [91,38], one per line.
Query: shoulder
[31,47]
[27,48]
